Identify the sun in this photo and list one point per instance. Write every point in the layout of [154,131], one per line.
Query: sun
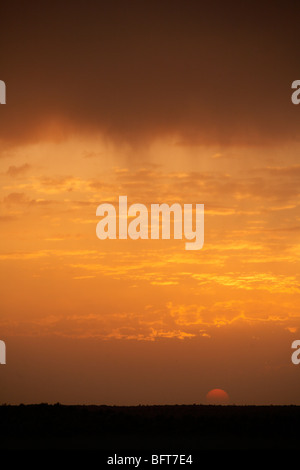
[217,396]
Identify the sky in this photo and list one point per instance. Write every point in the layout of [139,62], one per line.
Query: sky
[169,101]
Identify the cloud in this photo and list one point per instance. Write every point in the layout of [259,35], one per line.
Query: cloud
[18,170]
[7,218]
[23,199]
[21,255]
[199,71]
[263,184]
[16,198]
[173,320]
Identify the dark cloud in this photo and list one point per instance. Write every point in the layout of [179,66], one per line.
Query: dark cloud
[209,72]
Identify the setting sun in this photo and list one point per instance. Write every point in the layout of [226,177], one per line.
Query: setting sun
[217,396]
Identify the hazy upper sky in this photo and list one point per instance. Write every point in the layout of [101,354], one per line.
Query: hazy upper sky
[209,71]
[169,101]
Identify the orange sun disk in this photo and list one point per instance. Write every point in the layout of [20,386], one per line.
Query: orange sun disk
[217,396]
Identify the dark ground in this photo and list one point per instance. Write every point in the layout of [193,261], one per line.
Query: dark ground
[149,428]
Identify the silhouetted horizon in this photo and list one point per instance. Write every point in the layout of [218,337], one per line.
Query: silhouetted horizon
[148,427]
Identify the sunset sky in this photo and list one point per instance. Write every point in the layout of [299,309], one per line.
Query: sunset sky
[170,101]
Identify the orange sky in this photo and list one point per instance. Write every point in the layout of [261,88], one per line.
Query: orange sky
[129,322]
